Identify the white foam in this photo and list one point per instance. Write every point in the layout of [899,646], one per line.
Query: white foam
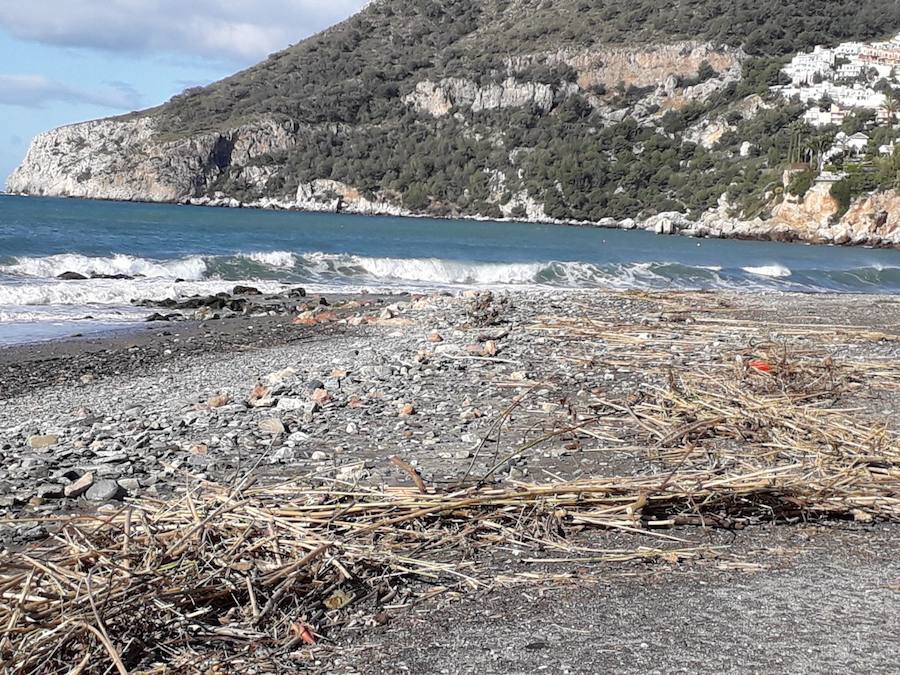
[450,272]
[281,259]
[774,271]
[440,273]
[192,267]
[330,268]
[53,313]
[111,291]
[423,270]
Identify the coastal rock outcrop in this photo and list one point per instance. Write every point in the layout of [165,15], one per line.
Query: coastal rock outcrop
[131,159]
[873,220]
[809,215]
[439,98]
[875,216]
[334,196]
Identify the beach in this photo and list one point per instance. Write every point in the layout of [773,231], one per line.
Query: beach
[450,337]
[501,389]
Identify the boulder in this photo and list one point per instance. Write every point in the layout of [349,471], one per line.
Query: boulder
[40,442]
[272,426]
[80,486]
[104,491]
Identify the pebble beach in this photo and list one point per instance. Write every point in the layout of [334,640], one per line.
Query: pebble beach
[336,388]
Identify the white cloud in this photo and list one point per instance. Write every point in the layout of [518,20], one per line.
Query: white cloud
[35,91]
[221,30]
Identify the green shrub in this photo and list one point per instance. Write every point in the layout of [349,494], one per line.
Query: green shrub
[801,182]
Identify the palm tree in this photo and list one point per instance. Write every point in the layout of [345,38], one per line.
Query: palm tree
[891,104]
[815,151]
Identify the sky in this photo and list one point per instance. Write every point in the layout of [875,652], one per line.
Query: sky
[65,61]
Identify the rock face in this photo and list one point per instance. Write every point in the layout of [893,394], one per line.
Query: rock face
[877,216]
[439,98]
[870,221]
[648,65]
[809,215]
[130,160]
[660,66]
[335,197]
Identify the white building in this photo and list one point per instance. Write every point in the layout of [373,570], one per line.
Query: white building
[803,68]
[846,145]
[814,74]
[823,117]
[854,96]
[849,70]
[848,50]
[857,143]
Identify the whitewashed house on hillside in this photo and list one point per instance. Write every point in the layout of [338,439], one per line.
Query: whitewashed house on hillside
[857,143]
[823,117]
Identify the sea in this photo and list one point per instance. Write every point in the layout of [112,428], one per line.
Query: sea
[177,251]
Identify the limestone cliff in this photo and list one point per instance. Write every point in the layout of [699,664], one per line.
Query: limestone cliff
[648,65]
[439,98]
[659,66]
[130,160]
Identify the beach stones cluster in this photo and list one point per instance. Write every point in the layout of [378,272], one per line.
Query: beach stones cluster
[341,389]
[241,301]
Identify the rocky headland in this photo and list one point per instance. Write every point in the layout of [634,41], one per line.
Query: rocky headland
[674,125]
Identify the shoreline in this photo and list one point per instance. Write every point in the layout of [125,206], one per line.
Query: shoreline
[397,331]
[148,343]
[663,224]
[145,330]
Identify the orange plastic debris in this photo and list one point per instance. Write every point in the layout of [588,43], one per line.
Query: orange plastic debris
[302,631]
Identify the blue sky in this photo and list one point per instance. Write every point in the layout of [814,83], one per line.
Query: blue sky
[64,61]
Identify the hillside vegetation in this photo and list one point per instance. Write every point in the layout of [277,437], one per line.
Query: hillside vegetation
[598,149]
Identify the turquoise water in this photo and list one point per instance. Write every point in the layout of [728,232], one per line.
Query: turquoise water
[209,249]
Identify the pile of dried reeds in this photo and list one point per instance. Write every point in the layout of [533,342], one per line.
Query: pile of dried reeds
[233,576]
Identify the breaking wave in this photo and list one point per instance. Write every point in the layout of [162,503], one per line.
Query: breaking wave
[33,281]
[192,267]
[774,271]
[282,259]
[109,291]
[421,270]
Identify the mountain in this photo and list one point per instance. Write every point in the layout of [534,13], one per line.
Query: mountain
[603,111]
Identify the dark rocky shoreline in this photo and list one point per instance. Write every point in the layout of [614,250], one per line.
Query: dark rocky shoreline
[193,327]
